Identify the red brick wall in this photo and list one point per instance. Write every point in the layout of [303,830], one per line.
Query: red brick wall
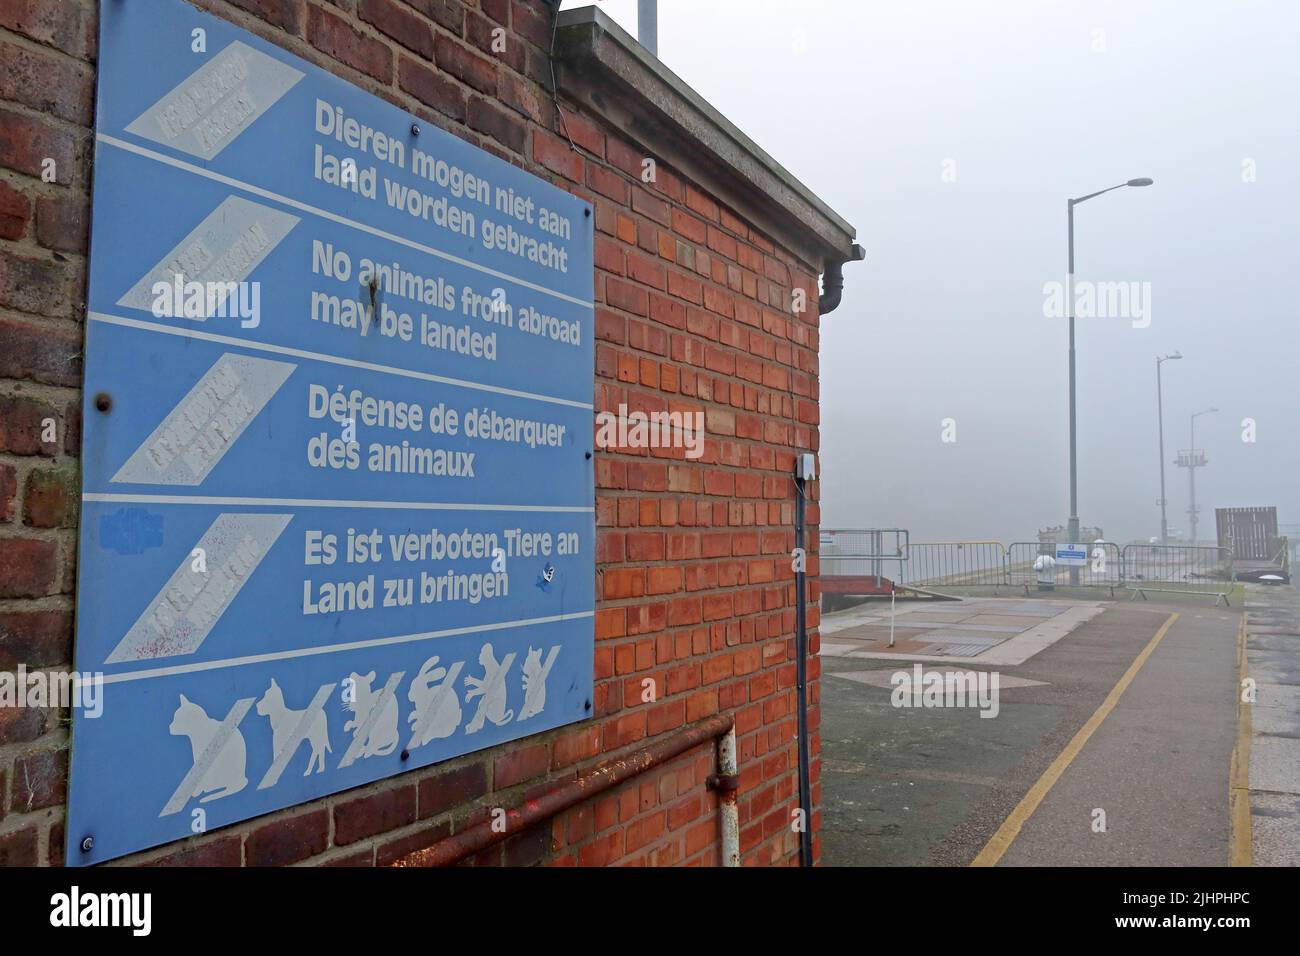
[693,557]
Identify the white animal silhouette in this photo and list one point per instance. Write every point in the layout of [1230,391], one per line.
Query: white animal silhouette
[225,775]
[492,688]
[426,692]
[535,673]
[285,721]
[382,738]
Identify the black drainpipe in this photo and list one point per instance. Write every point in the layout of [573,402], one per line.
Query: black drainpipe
[801,678]
[833,280]
[832,290]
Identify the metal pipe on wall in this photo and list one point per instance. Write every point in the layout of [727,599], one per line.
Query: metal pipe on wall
[454,848]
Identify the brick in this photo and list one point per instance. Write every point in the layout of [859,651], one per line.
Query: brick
[37,638]
[8,493]
[465,64]
[19,848]
[432,88]
[392,850]
[41,354]
[503,126]
[498,10]
[23,426]
[531,24]
[528,848]
[46,83]
[580,745]
[448,14]
[27,568]
[220,852]
[51,498]
[443,791]
[336,37]
[40,781]
[15,212]
[518,765]
[69,27]
[63,223]
[287,15]
[366,816]
[39,286]
[397,21]
[557,155]
[526,98]
[627,297]
[288,840]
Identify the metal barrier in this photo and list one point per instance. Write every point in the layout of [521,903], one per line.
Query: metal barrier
[851,554]
[1185,569]
[958,564]
[855,558]
[1103,568]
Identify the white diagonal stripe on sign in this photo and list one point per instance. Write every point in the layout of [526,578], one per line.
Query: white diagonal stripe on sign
[180,618]
[206,423]
[224,248]
[217,102]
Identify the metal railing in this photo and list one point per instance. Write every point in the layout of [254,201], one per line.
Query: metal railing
[935,565]
[958,564]
[1189,569]
[1103,567]
[863,552]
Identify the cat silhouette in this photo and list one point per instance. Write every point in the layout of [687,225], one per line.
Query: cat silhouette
[226,773]
[284,721]
[382,738]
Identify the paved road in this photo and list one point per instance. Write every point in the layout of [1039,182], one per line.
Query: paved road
[936,785]
[1273,768]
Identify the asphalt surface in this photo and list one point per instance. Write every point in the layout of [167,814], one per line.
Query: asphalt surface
[1273,665]
[931,786]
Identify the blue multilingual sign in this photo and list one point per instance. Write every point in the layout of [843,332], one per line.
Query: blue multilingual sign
[337,515]
[1072,555]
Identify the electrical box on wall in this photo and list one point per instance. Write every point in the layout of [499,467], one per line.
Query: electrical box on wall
[805,467]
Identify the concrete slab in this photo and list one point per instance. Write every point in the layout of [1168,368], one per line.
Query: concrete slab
[1275,764]
[1275,821]
[1018,621]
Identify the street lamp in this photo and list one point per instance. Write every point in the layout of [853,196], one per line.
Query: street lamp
[1073,531]
[1160,417]
[1195,462]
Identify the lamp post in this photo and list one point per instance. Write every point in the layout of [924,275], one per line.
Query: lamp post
[1160,417]
[1073,529]
[1196,462]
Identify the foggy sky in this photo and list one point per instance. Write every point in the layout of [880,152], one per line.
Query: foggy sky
[864,101]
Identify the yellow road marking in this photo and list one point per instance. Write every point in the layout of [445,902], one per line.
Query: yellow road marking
[1239,775]
[1001,841]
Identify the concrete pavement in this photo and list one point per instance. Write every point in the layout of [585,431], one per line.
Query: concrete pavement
[1110,747]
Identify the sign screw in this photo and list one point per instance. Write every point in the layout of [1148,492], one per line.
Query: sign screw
[87,844]
[103,401]
[587,705]
[406,755]
[415,129]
